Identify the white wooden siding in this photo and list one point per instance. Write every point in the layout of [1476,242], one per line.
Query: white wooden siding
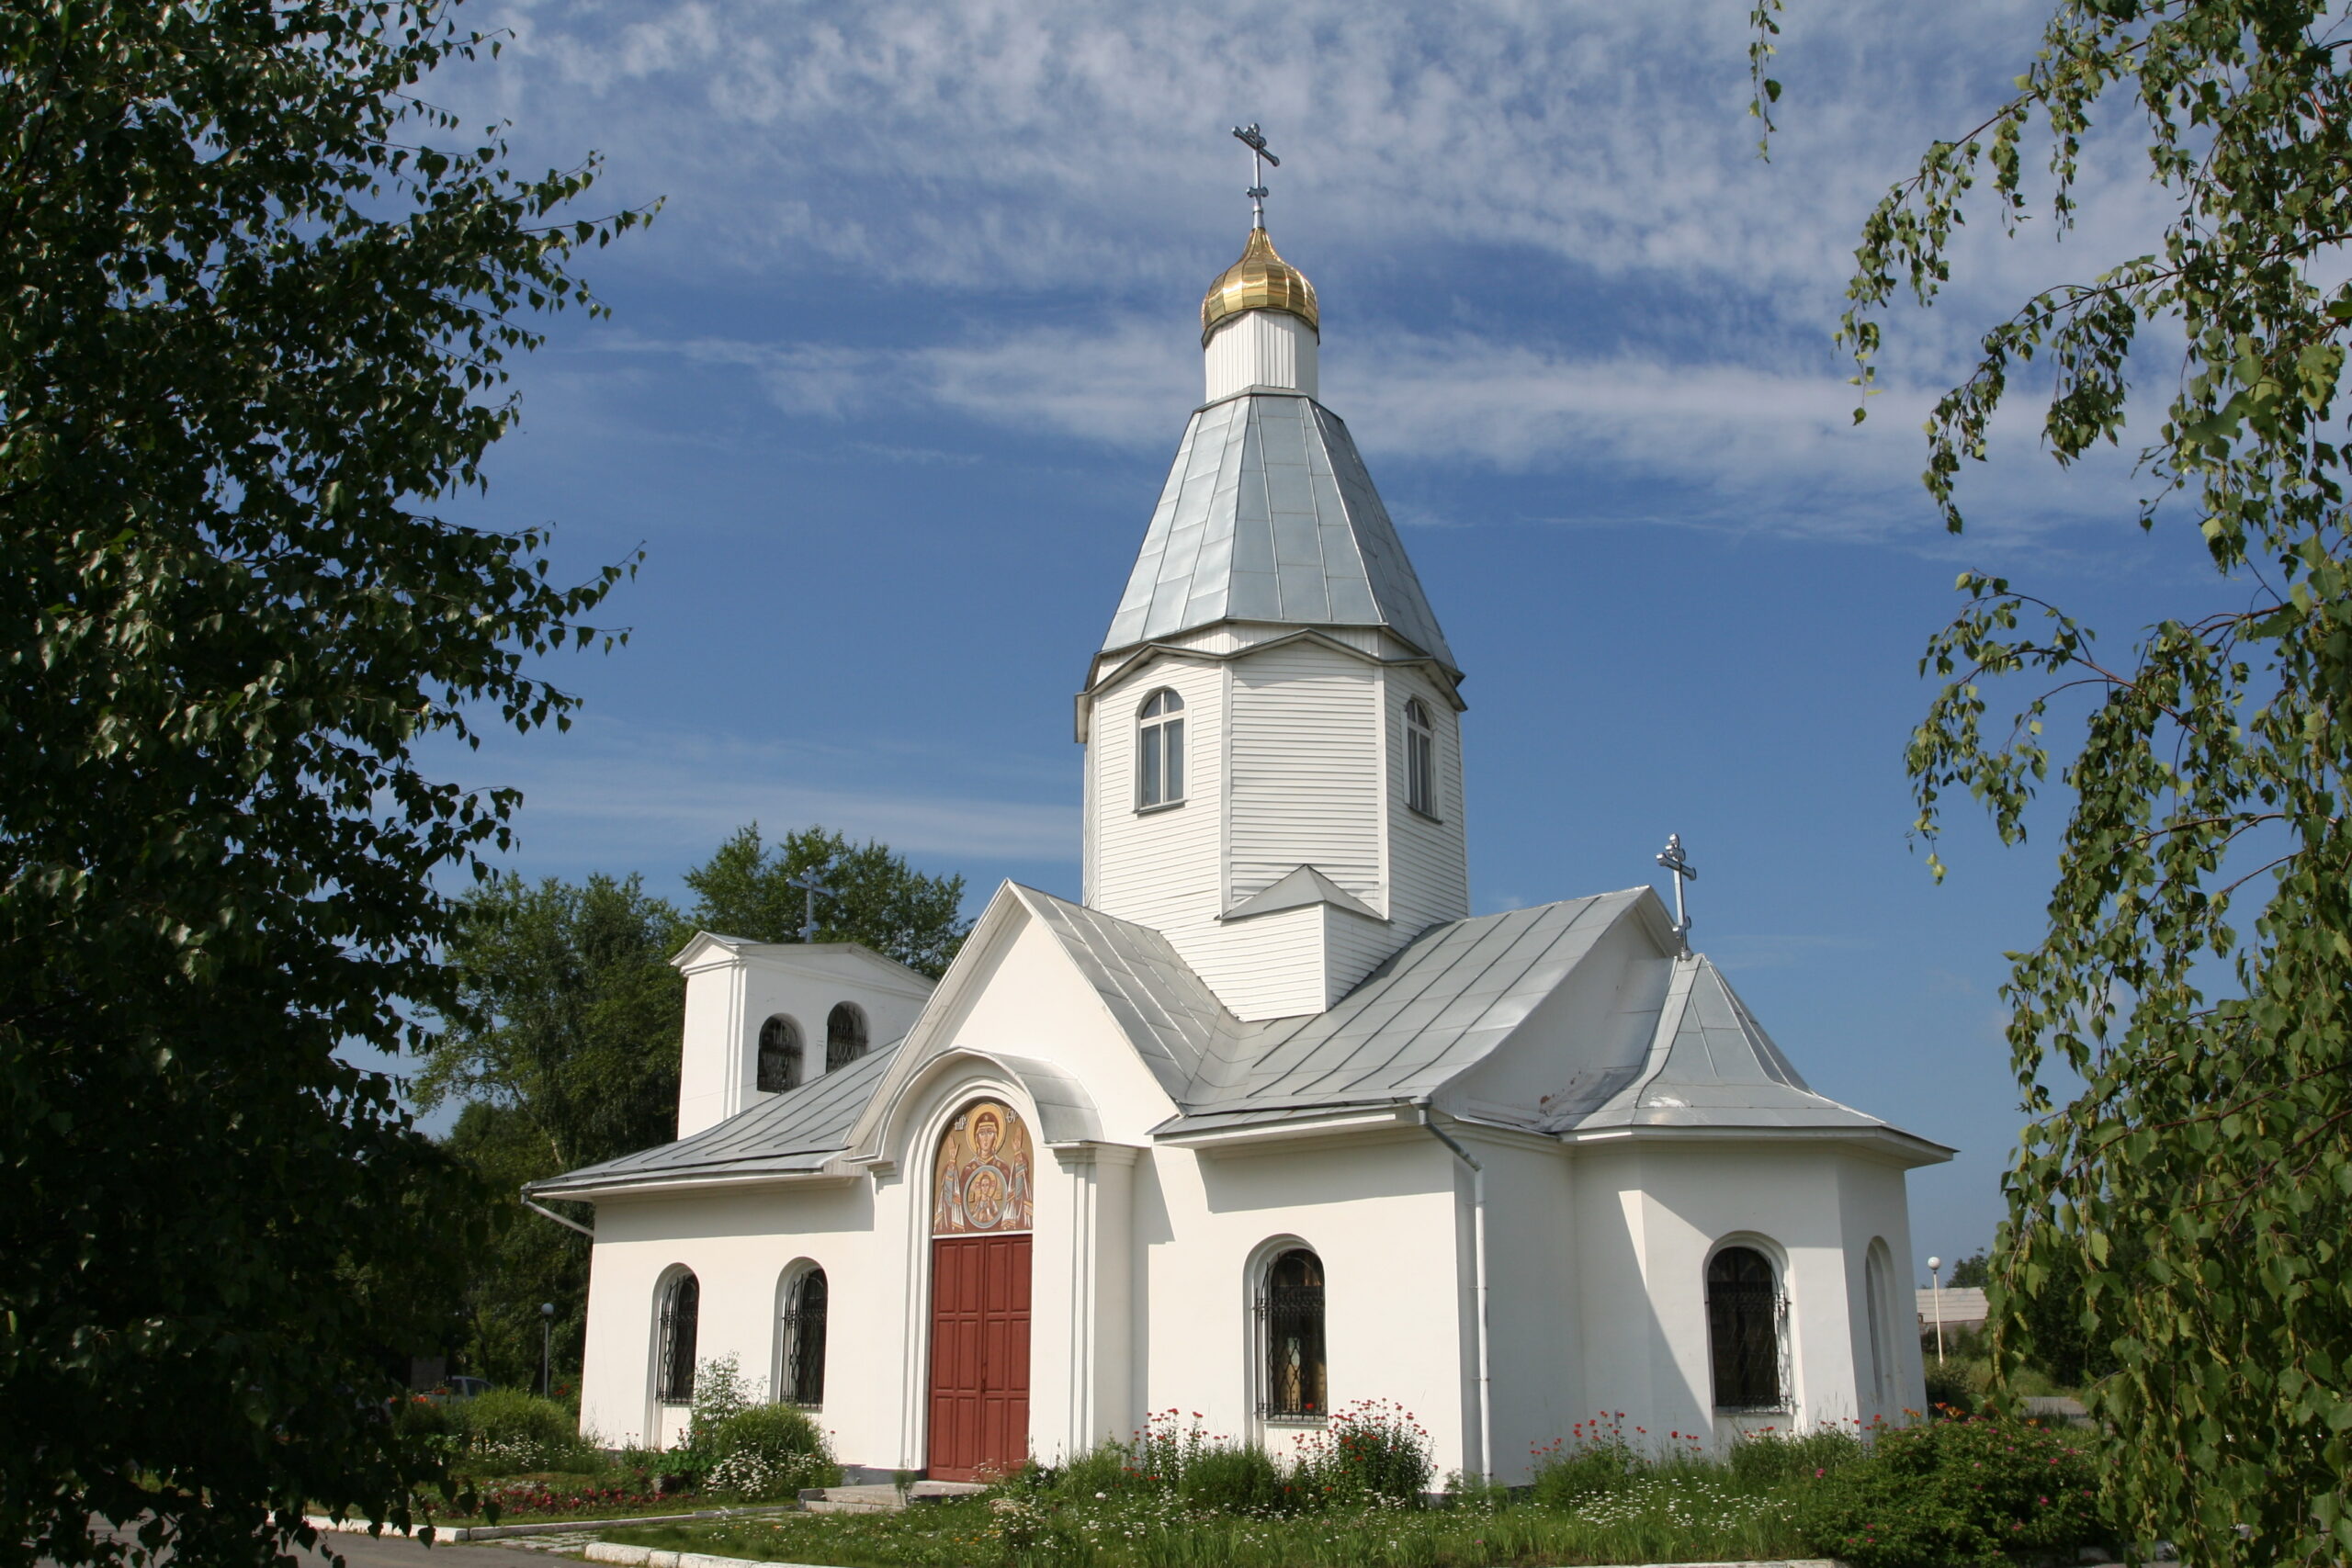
[1306,787]
[1158,868]
[1429,873]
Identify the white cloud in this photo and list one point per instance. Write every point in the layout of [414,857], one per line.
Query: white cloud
[1756,446]
[651,798]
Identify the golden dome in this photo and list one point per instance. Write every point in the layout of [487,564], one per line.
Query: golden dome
[1261,280]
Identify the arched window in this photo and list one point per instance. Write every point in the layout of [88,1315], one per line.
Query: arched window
[801,1347]
[1160,750]
[779,1055]
[1876,1273]
[1290,1317]
[844,1036]
[675,1355]
[1745,1319]
[1421,759]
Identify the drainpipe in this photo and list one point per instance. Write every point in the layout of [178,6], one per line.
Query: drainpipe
[1478,1270]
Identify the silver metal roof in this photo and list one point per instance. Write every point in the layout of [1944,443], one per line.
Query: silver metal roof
[1268,515]
[1167,1012]
[1431,1011]
[1710,1065]
[1417,1024]
[792,1134]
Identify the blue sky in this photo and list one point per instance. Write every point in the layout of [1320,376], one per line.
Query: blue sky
[891,384]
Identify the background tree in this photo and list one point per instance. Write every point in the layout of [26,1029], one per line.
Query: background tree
[254,320]
[1972,1272]
[562,1044]
[878,900]
[2196,977]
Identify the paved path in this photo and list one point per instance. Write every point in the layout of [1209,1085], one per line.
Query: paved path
[399,1551]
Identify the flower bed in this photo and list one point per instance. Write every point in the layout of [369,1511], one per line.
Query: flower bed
[1986,1491]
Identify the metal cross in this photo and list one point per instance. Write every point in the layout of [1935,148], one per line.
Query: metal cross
[1673,859]
[807,884]
[1259,159]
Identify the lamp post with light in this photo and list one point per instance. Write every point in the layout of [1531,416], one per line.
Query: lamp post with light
[547,1340]
[1936,1295]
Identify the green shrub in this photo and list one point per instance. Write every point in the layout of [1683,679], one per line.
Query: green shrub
[1371,1449]
[1983,1490]
[1243,1480]
[512,1432]
[1951,1391]
[720,1394]
[1771,1457]
[1593,1459]
[766,1452]
[1106,1470]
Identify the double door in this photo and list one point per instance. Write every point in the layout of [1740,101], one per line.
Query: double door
[979,1356]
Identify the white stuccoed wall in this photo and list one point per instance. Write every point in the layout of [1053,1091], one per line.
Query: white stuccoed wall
[1141,1289]
[1143,1255]
[733,990]
[1650,1215]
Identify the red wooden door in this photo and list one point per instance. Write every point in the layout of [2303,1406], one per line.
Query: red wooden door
[979,1355]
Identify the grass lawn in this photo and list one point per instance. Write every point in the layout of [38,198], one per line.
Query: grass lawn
[1664,1518]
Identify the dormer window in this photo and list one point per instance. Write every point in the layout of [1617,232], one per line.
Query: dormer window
[1160,750]
[1421,759]
[779,1055]
[844,1036]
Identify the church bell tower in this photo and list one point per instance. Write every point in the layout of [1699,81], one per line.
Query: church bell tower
[1274,758]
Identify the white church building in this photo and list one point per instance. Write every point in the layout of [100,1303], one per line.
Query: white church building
[1269,1123]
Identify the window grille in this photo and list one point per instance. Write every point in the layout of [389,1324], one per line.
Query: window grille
[1421,759]
[1748,1329]
[681,1306]
[844,1036]
[804,1340]
[1290,1319]
[779,1055]
[1160,750]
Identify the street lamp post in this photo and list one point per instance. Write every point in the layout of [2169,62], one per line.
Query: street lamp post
[547,1340]
[1936,1295]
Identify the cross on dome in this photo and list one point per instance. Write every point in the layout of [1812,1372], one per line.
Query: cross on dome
[1250,136]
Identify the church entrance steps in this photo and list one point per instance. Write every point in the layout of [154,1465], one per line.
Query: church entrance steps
[881,1500]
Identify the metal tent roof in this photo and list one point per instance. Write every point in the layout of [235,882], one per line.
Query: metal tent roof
[1268,515]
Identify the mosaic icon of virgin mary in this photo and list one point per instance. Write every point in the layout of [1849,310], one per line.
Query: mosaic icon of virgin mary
[982,1181]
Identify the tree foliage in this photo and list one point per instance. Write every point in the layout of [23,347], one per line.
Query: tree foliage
[743,890]
[2196,977]
[562,1043]
[564,1049]
[567,1015]
[260,300]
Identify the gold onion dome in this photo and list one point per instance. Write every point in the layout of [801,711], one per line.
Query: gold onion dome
[1261,280]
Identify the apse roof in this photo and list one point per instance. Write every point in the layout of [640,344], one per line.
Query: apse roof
[1268,515]
[1710,1065]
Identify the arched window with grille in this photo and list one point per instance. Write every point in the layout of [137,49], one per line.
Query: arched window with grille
[844,1036]
[673,1374]
[1421,759]
[779,1055]
[800,1341]
[1746,1323]
[1160,750]
[1290,1326]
